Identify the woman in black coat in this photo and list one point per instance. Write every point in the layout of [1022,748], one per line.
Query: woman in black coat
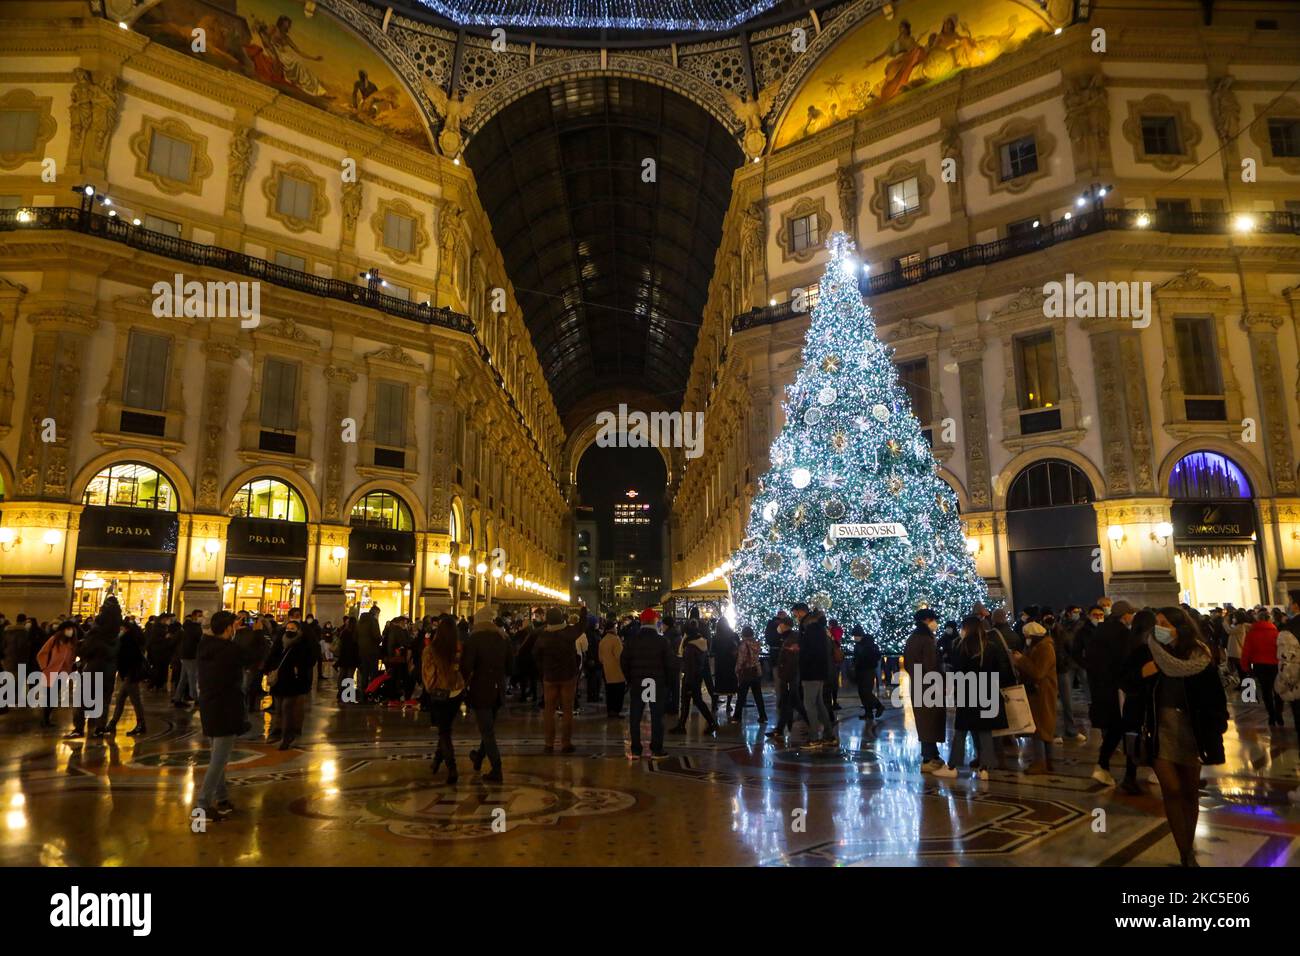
[695,664]
[725,648]
[866,659]
[132,668]
[289,672]
[348,657]
[1184,714]
[982,668]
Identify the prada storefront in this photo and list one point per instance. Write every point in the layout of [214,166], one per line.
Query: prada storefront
[1216,548]
[127,540]
[381,556]
[266,549]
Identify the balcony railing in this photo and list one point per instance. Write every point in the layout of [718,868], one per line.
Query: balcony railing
[1063,230]
[116,229]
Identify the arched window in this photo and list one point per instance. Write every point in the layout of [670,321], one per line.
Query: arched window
[268,498]
[130,484]
[453,525]
[382,509]
[1049,484]
[1207,474]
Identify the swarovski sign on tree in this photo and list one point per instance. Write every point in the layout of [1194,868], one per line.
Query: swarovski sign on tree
[852,516]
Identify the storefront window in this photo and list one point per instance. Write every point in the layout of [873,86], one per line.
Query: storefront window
[140,593]
[264,595]
[268,498]
[130,485]
[1207,474]
[384,510]
[1215,533]
[393,598]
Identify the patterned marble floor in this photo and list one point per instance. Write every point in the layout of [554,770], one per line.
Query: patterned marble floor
[360,792]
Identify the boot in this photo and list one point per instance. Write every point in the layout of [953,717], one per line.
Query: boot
[679,729]
[437,761]
[287,742]
[476,760]
[138,731]
[493,775]
[109,730]
[452,774]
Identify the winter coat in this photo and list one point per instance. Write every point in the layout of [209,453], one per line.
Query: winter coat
[609,650]
[674,639]
[1207,704]
[98,649]
[921,657]
[814,654]
[368,637]
[772,639]
[725,648]
[131,665]
[253,647]
[976,655]
[1260,646]
[221,688]
[57,657]
[1287,685]
[695,661]
[346,652]
[485,661]
[645,656]
[1038,671]
[1237,637]
[787,662]
[17,646]
[866,658]
[1013,637]
[437,675]
[556,652]
[294,662]
[1105,654]
[191,634]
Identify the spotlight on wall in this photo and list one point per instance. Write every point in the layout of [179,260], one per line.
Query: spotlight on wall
[9,539]
[1162,533]
[1117,535]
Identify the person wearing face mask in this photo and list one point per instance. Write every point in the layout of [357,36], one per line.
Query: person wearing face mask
[921,657]
[1259,659]
[1105,657]
[1063,633]
[289,678]
[1037,668]
[1184,718]
[57,656]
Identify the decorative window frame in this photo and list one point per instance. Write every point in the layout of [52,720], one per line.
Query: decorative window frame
[900,171]
[200,162]
[1014,129]
[1288,107]
[1189,131]
[1022,315]
[807,206]
[912,339]
[282,340]
[1190,293]
[136,314]
[390,364]
[320,206]
[46,126]
[399,207]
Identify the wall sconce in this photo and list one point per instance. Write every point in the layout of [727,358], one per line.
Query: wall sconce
[510,579]
[480,568]
[462,562]
[338,554]
[1162,533]
[211,547]
[974,546]
[51,538]
[444,560]
[1117,535]
[496,572]
[9,539]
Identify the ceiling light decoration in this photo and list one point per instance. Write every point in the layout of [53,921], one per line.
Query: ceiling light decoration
[689,15]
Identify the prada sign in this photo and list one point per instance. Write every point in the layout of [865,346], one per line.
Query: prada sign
[383,547]
[265,538]
[131,529]
[1213,520]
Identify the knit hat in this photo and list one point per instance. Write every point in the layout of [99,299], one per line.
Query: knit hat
[484,615]
[1120,608]
[1033,629]
[554,616]
[649,616]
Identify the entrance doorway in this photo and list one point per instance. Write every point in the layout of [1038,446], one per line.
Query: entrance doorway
[1052,537]
[1216,546]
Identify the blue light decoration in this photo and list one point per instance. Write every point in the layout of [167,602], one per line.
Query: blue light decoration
[684,15]
[1207,474]
[852,452]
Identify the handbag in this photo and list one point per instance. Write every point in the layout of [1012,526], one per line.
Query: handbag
[1020,717]
[274,676]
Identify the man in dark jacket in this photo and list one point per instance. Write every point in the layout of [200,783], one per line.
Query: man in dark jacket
[17,641]
[556,654]
[814,667]
[649,671]
[674,638]
[97,656]
[221,709]
[921,657]
[485,661]
[1105,657]
[368,636]
[191,635]
[254,646]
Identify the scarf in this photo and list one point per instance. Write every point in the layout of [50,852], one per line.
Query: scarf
[1172,666]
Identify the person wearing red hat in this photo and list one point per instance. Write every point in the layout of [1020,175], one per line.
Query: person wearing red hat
[648,670]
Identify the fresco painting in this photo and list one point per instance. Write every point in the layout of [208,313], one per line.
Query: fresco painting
[925,42]
[313,59]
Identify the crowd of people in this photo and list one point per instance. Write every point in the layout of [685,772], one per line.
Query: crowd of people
[1155,680]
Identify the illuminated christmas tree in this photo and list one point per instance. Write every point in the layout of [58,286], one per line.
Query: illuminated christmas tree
[852,516]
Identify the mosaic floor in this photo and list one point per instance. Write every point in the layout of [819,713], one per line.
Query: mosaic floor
[360,792]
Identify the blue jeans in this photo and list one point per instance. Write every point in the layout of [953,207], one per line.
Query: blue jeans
[189,681]
[819,718]
[988,757]
[636,707]
[213,790]
[1064,692]
[486,718]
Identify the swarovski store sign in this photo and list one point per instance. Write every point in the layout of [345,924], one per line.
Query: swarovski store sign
[1213,520]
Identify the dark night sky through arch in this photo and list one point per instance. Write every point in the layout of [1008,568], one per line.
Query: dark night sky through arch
[606,474]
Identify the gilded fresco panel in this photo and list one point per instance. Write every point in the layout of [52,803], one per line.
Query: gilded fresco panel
[313,59]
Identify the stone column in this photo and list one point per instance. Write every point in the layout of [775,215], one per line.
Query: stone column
[338,396]
[200,572]
[969,354]
[220,356]
[327,554]
[1123,412]
[11,294]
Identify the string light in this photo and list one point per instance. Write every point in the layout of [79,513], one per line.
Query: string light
[707,15]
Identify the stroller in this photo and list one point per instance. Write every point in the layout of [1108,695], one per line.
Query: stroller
[385,688]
